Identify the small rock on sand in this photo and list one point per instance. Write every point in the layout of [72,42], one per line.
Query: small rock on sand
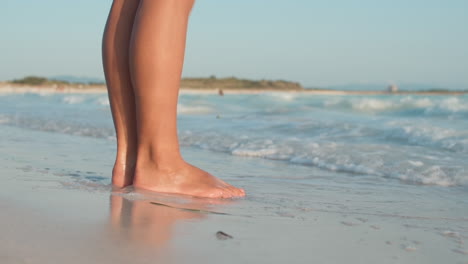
[223,236]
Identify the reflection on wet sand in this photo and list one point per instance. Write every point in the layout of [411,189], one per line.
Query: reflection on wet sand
[143,223]
[151,222]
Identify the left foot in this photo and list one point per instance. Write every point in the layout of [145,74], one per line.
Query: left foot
[122,174]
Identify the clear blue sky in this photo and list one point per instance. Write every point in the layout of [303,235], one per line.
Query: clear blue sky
[318,43]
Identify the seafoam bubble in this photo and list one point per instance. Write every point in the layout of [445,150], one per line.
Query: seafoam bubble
[410,102]
[186,109]
[254,152]
[453,104]
[46,93]
[103,101]
[433,175]
[416,163]
[283,96]
[73,99]
[369,104]
[414,149]
[428,135]
[381,161]
[64,127]
[428,106]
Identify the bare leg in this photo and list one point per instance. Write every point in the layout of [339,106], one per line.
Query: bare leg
[115,49]
[156,58]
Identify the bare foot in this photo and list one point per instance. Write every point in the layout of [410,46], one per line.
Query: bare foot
[122,174]
[182,178]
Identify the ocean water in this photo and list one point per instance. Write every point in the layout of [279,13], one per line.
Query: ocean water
[418,140]
[329,179]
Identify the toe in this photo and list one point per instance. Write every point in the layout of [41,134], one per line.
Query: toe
[228,192]
[235,192]
[215,193]
[240,192]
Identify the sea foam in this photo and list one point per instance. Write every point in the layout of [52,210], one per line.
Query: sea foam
[73,99]
[412,139]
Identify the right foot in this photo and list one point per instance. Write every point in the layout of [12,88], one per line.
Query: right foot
[183,178]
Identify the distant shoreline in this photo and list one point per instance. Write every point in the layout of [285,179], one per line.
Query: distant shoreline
[9,88]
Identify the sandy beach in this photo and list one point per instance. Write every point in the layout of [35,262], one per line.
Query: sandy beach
[325,132]
[55,209]
[329,179]
[6,88]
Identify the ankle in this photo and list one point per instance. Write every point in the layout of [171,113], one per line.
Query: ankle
[161,164]
[158,159]
[122,174]
[126,155]
[125,161]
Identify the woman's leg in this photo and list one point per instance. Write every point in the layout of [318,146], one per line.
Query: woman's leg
[115,49]
[156,58]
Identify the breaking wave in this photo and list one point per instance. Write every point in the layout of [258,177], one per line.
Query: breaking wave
[428,106]
[417,140]
[369,159]
[185,109]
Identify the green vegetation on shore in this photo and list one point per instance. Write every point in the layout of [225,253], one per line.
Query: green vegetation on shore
[230,83]
[192,83]
[42,81]
[236,83]
[35,80]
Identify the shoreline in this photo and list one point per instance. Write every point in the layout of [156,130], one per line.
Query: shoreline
[99,89]
[50,205]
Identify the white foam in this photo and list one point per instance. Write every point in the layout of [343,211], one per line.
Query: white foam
[186,109]
[73,99]
[416,149]
[419,103]
[434,175]
[372,105]
[453,104]
[429,106]
[424,134]
[255,152]
[103,101]
[283,96]
[364,159]
[416,163]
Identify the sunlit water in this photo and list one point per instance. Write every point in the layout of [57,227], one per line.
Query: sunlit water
[330,178]
[412,139]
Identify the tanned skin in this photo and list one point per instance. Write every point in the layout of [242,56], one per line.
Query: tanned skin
[143,55]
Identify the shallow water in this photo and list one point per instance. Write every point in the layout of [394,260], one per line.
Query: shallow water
[420,140]
[57,206]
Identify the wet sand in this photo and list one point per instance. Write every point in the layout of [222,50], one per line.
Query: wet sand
[56,206]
